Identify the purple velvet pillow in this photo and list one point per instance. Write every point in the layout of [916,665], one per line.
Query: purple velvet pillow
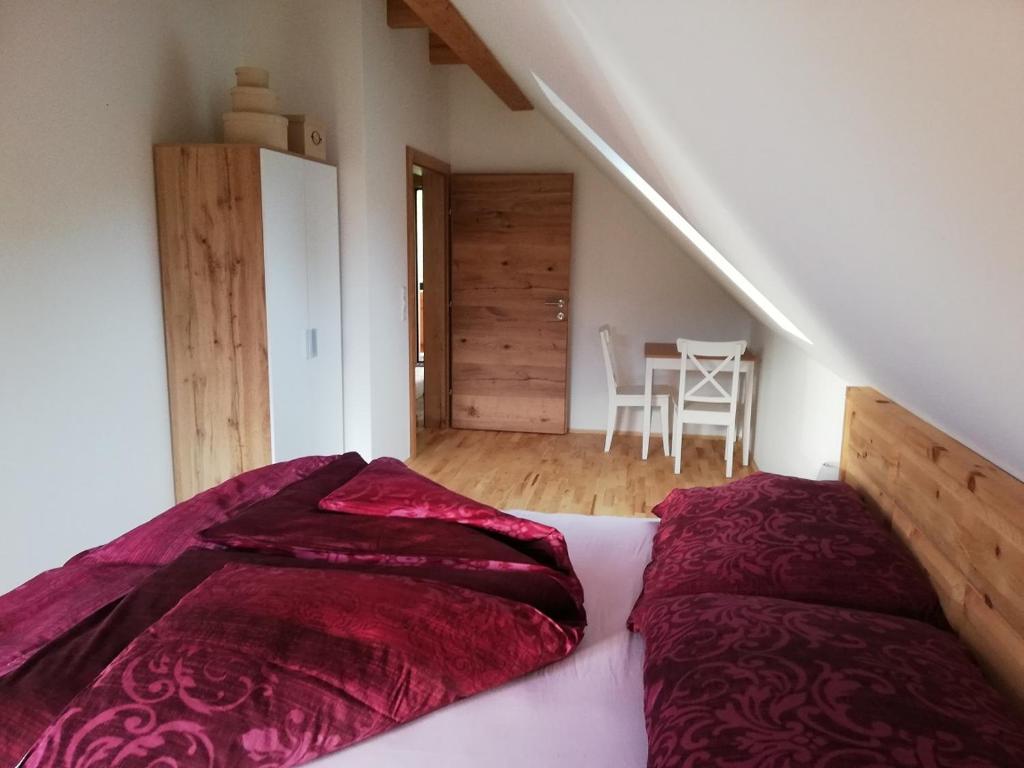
[746,681]
[783,537]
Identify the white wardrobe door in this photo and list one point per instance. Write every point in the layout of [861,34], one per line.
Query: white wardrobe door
[326,435]
[286,288]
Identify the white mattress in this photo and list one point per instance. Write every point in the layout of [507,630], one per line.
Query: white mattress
[586,710]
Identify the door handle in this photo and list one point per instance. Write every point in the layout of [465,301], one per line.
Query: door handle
[560,303]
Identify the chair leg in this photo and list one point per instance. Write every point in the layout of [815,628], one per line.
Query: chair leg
[730,449]
[612,412]
[677,443]
[665,444]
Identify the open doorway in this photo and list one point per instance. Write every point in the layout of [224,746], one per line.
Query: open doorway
[427,183]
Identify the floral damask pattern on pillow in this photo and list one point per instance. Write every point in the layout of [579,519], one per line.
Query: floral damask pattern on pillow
[757,682]
[784,537]
[263,666]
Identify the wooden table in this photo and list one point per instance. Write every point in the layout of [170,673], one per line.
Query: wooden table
[664,356]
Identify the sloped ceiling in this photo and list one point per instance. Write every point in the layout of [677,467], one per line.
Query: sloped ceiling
[861,163]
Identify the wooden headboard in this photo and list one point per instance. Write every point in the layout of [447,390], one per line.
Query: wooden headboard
[962,516]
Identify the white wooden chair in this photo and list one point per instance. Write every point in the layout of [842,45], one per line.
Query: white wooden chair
[630,396]
[717,404]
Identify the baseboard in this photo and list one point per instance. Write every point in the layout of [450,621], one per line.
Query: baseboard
[655,434]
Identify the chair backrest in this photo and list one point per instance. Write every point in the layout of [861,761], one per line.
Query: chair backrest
[710,359]
[610,367]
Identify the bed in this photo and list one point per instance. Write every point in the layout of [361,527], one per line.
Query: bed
[253,625]
[782,623]
[586,710]
[785,624]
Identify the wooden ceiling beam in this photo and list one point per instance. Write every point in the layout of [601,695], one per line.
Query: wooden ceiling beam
[447,23]
[441,53]
[401,16]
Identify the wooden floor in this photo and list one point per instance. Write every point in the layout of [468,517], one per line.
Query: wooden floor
[566,473]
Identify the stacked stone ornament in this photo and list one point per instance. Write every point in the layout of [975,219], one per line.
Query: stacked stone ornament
[253,118]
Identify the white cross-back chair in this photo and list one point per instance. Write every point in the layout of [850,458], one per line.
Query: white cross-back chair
[630,396]
[708,401]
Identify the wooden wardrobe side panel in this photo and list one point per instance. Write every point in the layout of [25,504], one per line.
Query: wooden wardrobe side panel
[211,266]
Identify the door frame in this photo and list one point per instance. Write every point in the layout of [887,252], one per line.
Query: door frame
[416,157]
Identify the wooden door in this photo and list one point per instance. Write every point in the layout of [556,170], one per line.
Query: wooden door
[511,250]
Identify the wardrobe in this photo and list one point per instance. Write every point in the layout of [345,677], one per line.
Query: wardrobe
[249,267]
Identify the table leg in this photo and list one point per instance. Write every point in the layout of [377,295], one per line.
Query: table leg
[648,389]
[748,407]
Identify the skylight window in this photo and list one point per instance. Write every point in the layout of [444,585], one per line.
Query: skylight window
[675,218]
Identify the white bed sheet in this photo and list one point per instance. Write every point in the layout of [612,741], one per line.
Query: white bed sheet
[586,710]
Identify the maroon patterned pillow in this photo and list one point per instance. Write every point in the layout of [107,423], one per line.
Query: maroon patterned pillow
[745,681]
[783,537]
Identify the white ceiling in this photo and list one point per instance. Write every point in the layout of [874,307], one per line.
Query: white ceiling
[861,163]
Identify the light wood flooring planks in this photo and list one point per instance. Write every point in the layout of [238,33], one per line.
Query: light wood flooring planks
[566,473]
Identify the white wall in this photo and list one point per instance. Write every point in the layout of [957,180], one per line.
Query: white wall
[406,104]
[85,452]
[379,94]
[626,271]
[323,71]
[86,89]
[800,406]
[860,163]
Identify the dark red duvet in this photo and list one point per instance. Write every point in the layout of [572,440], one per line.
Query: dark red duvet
[260,645]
